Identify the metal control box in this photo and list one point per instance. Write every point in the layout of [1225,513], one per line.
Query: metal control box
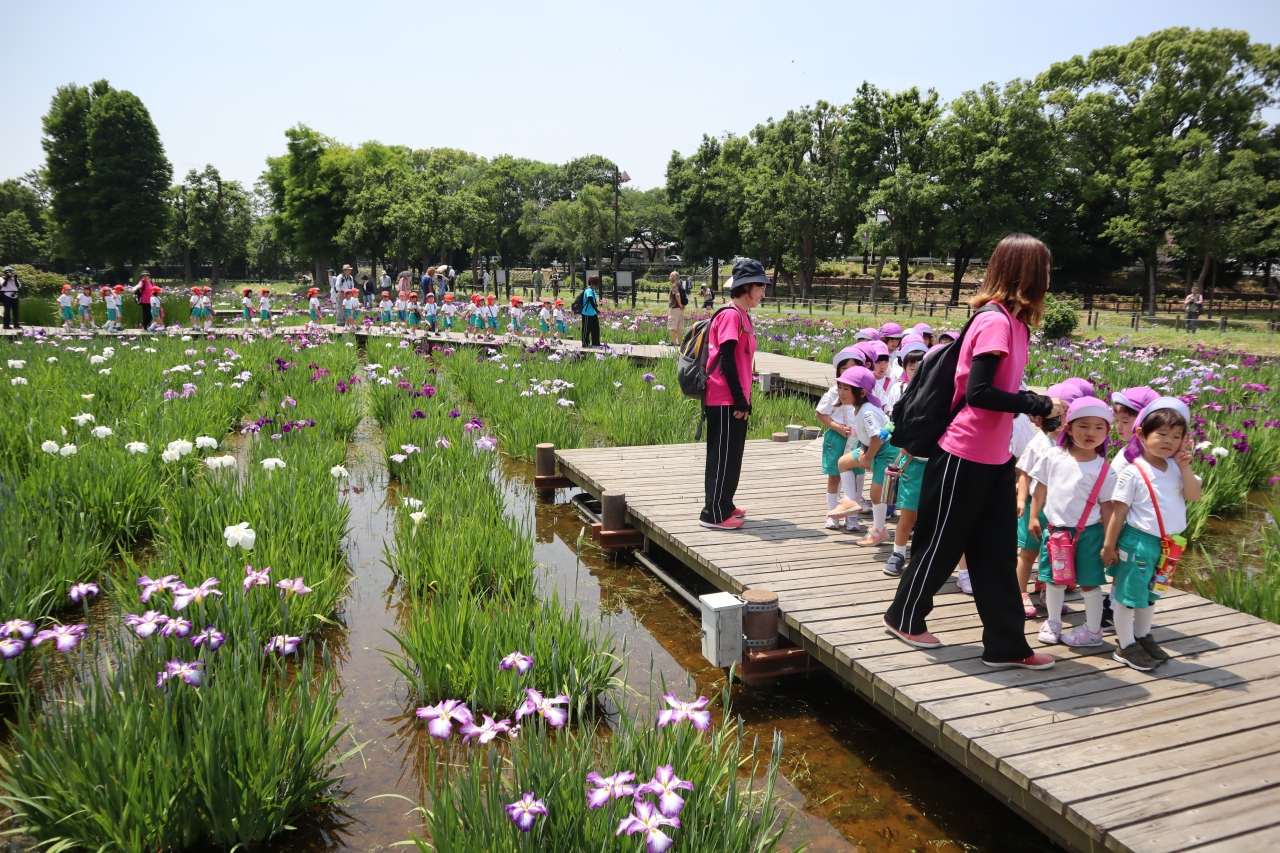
[722,628]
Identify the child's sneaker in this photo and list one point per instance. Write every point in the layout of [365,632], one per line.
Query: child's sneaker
[896,563]
[1028,607]
[1152,648]
[833,524]
[1082,636]
[1108,618]
[1136,657]
[873,538]
[1050,632]
[966,586]
[852,525]
[845,508]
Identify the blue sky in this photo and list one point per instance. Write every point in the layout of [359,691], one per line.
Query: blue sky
[547,80]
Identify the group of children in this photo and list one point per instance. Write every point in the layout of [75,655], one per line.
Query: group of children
[483,317]
[1082,518]
[263,310]
[74,306]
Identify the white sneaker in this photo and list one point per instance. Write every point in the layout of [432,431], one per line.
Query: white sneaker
[852,525]
[833,524]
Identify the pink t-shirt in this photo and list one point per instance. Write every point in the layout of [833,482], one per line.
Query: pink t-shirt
[727,326]
[981,435]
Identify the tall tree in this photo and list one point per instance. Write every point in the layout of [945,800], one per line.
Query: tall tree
[67,173]
[180,239]
[705,191]
[379,174]
[309,192]
[128,177]
[220,217]
[650,221]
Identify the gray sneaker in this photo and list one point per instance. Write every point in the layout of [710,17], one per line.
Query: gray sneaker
[897,562]
[1136,657]
[1151,647]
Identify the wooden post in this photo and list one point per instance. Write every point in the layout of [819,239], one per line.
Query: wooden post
[781,436]
[1222,324]
[613,511]
[545,460]
[759,628]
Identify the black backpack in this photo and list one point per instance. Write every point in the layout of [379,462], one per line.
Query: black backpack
[925,410]
[576,307]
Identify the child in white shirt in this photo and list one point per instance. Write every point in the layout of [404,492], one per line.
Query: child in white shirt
[64,307]
[1150,515]
[837,416]
[544,317]
[429,312]
[246,306]
[351,305]
[206,308]
[402,311]
[557,314]
[448,310]
[1066,478]
[313,307]
[85,300]
[385,308]
[875,453]
[264,308]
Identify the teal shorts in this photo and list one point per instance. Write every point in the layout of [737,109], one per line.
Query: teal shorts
[266,315]
[833,444]
[884,456]
[111,314]
[67,313]
[1134,575]
[247,312]
[315,318]
[447,322]
[542,324]
[910,483]
[1089,569]
[493,323]
[1026,541]
[560,327]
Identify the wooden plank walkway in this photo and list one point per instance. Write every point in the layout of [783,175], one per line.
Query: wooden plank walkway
[1097,755]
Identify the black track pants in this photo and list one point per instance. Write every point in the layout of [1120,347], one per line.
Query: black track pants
[726,440]
[969,509]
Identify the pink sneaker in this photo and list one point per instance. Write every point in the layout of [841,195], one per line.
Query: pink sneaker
[1050,632]
[1036,661]
[923,640]
[739,513]
[1082,636]
[873,538]
[1028,608]
[963,582]
[733,522]
[845,508]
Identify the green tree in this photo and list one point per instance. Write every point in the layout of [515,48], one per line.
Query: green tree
[128,178]
[705,191]
[180,239]
[309,192]
[649,220]
[219,216]
[379,174]
[67,172]
[21,222]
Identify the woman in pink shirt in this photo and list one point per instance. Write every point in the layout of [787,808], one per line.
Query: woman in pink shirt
[727,405]
[967,501]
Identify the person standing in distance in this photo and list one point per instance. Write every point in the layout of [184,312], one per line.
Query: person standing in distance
[676,302]
[9,298]
[968,496]
[1193,303]
[727,406]
[591,313]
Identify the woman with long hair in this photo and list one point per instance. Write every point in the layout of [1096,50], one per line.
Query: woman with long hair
[968,498]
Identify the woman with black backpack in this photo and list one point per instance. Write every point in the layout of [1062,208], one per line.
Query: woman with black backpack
[591,313]
[968,497]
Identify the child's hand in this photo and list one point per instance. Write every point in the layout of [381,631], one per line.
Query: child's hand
[1109,555]
[843,430]
[1033,527]
[1184,455]
[1022,507]
[864,462]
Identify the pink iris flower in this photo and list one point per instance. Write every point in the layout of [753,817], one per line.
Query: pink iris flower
[521,663]
[188,671]
[83,590]
[19,627]
[253,577]
[443,442]
[488,730]
[65,637]
[150,587]
[692,711]
[146,624]
[282,644]
[440,718]
[544,707]
[485,442]
[649,820]
[524,811]
[176,627]
[665,785]
[11,647]
[183,595]
[608,788]
[210,636]
[294,586]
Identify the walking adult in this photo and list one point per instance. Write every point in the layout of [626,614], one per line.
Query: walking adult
[677,299]
[341,285]
[145,291]
[428,282]
[368,288]
[1193,303]
[591,313]
[967,503]
[727,407]
[403,286]
[9,286]
[708,298]
[333,285]
[384,283]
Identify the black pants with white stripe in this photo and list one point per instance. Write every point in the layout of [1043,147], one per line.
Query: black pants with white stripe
[970,509]
[726,440]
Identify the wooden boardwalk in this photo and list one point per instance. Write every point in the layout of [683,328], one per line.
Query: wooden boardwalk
[1097,755]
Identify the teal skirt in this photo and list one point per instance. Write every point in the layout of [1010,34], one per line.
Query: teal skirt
[1134,575]
[1089,569]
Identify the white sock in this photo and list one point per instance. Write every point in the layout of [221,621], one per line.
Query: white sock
[899,549]
[1092,608]
[832,500]
[878,513]
[858,483]
[1142,617]
[1123,615]
[1054,595]
[850,484]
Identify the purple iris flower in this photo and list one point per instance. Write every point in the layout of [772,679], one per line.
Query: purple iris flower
[473,425]
[488,730]
[211,636]
[665,784]
[288,403]
[183,595]
[443,443]
[486,442]
[150,587]
[440,718]
[608,788]
[188,671]
[295,586]
[417,413]
[11,647]
[83,590]
[253,577]
[524,811]
[66,637]
[648,377]
[691,711]
[544,707]
[282,644]
[454,413]
[146,624]
[518,661]
[176,627]
[20,627]
[649,820]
